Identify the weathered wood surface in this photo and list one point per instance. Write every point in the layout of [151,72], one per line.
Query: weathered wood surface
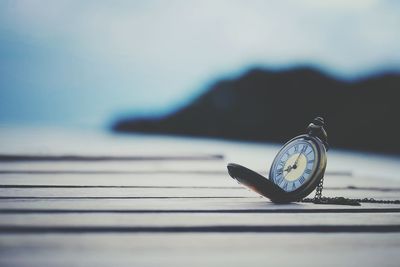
[87,200]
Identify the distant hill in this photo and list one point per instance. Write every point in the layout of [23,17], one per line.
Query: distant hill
[264,105]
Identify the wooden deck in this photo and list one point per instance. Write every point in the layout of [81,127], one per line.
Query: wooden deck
[83,199]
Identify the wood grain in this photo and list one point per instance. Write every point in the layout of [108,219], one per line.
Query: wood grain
[79,206]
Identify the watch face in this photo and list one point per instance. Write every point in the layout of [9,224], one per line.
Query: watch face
[295,165]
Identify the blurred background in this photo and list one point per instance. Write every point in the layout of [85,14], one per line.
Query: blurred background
[243,70]
[118,119]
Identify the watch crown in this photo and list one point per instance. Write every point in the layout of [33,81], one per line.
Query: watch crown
[319,121]
[316,128]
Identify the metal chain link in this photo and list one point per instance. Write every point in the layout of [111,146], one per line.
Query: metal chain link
[318,191]
[319,199]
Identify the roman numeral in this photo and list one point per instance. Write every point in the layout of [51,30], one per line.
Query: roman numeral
[279,181]
[311,161]
[302,180]
[303,150]
[293,186]
[285,186]
[296,148]
[308,171]
[279,171]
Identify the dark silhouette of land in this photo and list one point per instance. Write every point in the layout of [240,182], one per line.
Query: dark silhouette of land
[264,105]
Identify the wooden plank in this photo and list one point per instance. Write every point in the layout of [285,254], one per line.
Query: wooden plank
[115,166]
[254,205]
[162,193]
[200,249]
[172,210]
[123,192]
[195,219]
[205,177]
[141,179]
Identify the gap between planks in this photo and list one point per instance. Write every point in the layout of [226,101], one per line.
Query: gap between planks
[203,229]
[350,187]
[211,211]
[84,158]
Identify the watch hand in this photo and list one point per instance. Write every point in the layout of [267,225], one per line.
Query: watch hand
[288,169]
[297,160]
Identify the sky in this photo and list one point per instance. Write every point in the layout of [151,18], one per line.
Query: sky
[83,63]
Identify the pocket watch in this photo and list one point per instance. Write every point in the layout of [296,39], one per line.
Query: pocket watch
[297,170]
